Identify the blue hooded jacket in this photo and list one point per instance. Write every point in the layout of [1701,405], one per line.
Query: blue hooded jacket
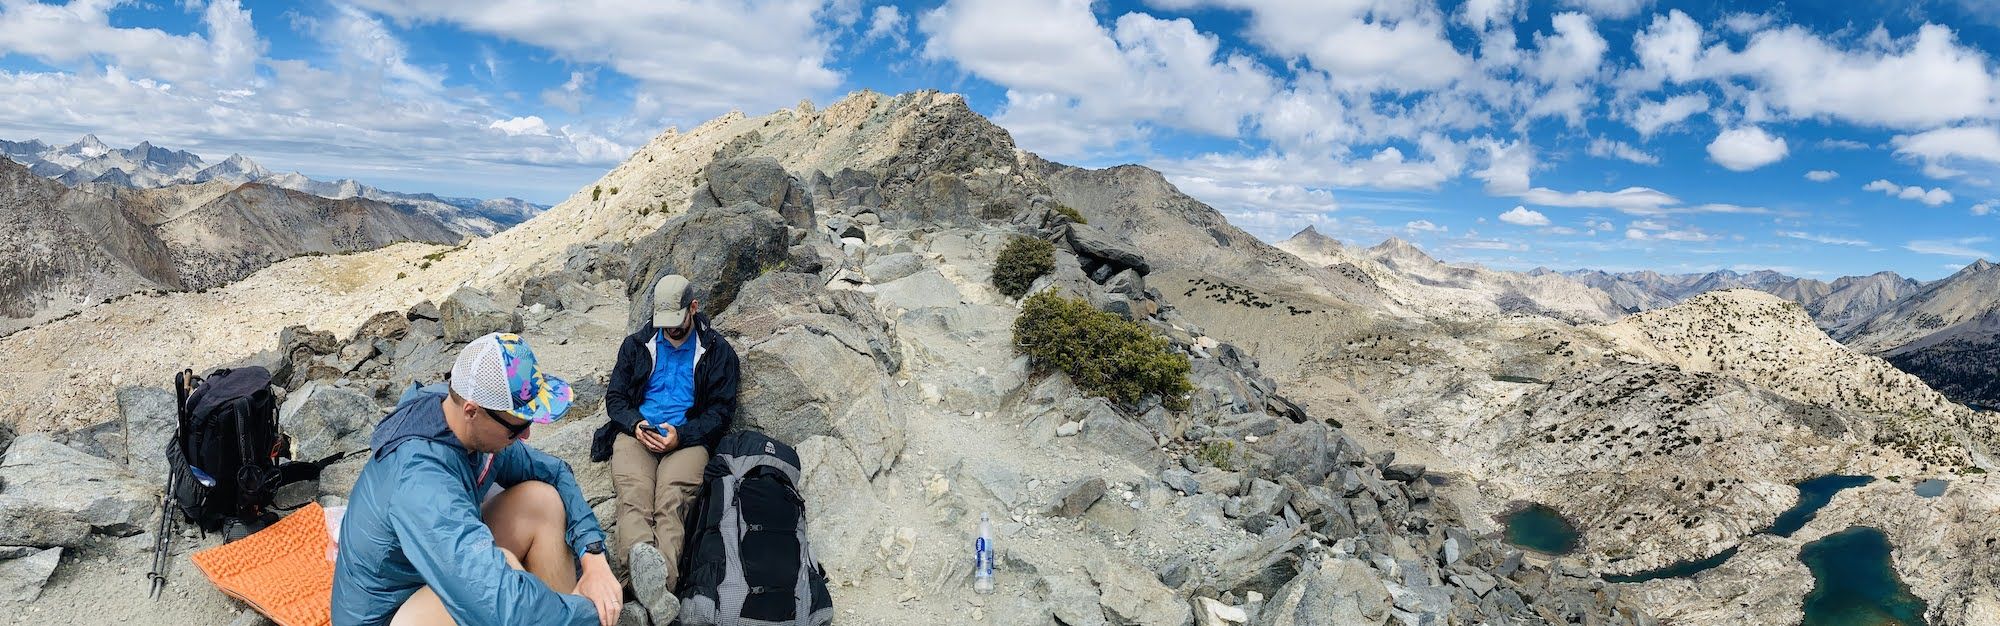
[413,519]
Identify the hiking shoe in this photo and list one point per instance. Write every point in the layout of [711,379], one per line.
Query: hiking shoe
[649,584]
[635,615]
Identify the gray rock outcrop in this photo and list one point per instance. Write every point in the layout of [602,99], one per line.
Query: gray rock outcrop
[470,313]
[52,495]
[717,249]
[761,181]
[324,420]
[22,578]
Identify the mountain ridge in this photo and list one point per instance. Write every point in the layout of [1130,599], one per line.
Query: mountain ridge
[1363,362]
[88,162]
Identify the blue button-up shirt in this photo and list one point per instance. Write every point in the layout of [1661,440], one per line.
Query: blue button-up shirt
[670,392]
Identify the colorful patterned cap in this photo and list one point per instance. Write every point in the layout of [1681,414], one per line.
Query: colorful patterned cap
[498,373]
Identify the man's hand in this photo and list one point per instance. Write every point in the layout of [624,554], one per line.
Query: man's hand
[652,440]
[673,438]
[600,586]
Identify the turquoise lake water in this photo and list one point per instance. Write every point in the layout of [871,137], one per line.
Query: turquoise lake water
[1677,570]
[1542,529]
[1931,488]
[1855,582]
[1813,494]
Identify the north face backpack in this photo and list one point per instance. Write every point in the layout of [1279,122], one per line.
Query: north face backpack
[228,457]
[747,558]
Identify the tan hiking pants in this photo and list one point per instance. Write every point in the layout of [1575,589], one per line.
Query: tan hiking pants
[654,494]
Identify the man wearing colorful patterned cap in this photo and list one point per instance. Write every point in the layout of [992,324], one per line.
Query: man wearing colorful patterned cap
[455,519]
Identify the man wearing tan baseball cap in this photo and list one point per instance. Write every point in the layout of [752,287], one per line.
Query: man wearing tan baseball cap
[671,397]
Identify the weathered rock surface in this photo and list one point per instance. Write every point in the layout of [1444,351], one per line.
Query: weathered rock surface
[470,313]
[843,505]
[762,181]
[52,495]
[1331,593]
[149,424]
[717,249]
[324,420]
[22,578]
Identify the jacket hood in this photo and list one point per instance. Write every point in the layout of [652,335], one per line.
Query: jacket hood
[419,417]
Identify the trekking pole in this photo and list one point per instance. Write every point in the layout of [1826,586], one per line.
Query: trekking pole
[163,542]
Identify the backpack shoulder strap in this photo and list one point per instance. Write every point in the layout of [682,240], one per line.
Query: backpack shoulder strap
[184,384]
[740,465]
[241,407]
[802,596]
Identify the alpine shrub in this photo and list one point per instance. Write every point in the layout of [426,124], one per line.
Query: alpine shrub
[1023,260]
[1071,213]
[1104,354]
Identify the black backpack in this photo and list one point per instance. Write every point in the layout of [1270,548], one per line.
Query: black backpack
[747,558]
[228,456]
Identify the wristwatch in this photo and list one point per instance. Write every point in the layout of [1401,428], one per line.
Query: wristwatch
[595,547]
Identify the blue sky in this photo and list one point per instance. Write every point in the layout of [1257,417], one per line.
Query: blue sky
[1817,138]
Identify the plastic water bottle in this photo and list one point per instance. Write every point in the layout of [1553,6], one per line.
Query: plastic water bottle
[982,558]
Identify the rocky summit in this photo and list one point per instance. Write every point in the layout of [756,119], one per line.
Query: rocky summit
[1356,426]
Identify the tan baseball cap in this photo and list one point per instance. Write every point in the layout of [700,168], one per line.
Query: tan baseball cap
[671,297]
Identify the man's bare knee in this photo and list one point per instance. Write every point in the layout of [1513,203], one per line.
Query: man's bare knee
[423,608]
[532,499]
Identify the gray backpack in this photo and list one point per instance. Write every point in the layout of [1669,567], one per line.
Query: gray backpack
[747,559]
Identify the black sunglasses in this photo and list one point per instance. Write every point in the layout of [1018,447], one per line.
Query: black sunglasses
[513,431]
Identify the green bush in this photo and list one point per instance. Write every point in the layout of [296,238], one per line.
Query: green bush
[1071,213]
[1023,260]
[595,192]
[1104,354]
[1220,454]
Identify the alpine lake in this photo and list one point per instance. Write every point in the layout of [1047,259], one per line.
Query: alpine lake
[1854,576]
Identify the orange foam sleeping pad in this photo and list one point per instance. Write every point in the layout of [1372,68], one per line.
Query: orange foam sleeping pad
[280,571]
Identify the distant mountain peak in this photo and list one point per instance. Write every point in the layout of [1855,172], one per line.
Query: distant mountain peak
[1395,246]
[149,166]
[1979,266]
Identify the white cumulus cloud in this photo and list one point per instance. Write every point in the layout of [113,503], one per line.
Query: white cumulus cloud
[1609,9]
[1943,151]
[1820,176]
[530,125]
[1074,86]
[1746,148]
[1523,216]
[1611,148]
[886,22]
[1651,117]
[692,59]
[1933,196]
